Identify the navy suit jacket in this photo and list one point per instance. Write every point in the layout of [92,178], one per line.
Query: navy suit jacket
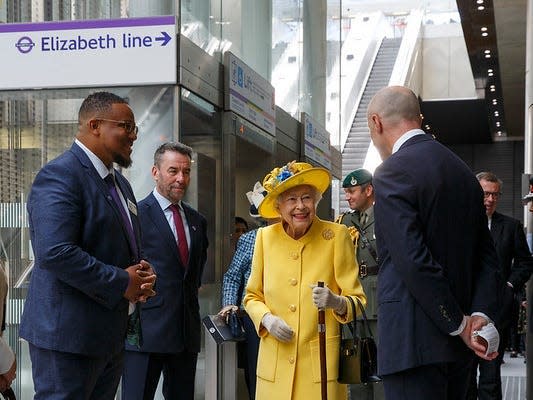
[514,260]
[75,300]
[438,260]
[171,320]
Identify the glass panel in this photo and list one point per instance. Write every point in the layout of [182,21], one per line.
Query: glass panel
[35,127]
[200,128]
[287,53]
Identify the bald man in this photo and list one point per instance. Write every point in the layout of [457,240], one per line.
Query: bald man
[438,271]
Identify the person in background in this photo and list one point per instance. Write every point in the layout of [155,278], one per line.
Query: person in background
[359,194]
[8,362]
[282,297]
[438,274]
[241,227]
[175,241]
[515,264]
[234,282]
[85,235]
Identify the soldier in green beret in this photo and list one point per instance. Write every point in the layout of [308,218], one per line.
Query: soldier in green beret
[359,193]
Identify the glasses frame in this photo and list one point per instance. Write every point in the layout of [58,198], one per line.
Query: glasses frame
[129,126]
[494,195]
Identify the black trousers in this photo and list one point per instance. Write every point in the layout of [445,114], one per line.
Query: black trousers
[489,386]
[443,381]
[142,372]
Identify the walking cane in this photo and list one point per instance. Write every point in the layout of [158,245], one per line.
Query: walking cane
[322,348]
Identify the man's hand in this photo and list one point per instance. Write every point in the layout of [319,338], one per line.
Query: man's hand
[225,311]
[141,283]
[476,344]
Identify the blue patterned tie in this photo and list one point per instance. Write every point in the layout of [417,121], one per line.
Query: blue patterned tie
[110,180]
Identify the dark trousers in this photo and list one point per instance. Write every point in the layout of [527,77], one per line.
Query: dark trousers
[62,376]
[489,386]
[443,381]
[143,370]
[251,346]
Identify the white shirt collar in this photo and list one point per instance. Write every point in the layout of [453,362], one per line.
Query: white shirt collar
[164,203]
[405,137]
[100,167]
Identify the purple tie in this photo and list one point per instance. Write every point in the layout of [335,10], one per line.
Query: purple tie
[110,180]
[180,230]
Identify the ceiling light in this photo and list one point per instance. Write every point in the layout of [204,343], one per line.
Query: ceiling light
[483,29]
[490,70]
[494,101]
[491,74]
[487,55]
[499,133]
[481,8]
[496,114]
[487,51]
[479,1]
[498,124]
[484,34]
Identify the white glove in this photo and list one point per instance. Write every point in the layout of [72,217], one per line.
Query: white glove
[325,298]
[277,327]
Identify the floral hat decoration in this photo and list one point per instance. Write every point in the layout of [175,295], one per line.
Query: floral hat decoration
[288,176]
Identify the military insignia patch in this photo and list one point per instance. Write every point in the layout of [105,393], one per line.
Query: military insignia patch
[353,181]
[328,234]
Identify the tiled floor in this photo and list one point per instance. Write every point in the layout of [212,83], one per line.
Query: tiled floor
[513,378]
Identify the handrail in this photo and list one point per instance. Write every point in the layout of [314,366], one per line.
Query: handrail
[359,74]
[409,48]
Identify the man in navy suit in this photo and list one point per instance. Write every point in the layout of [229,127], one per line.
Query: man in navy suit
[87,260]
[171,320]
[515,263]
[438,274]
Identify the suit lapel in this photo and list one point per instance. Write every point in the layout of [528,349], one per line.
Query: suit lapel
[193,230]
[158,218]
[102,186]
[496,227]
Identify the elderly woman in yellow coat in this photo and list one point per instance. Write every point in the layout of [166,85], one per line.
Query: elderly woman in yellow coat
[282,297]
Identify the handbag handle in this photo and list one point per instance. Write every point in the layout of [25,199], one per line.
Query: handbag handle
[364,321]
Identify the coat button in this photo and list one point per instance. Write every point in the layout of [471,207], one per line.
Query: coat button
[292,307]
[293,281]
[291,360]
[294,255]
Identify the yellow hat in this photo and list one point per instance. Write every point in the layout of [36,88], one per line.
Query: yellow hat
[284,178]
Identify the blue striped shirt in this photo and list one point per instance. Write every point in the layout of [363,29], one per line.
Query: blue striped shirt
[239,270]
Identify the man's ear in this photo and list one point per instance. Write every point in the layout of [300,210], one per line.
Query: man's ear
[93,124]
[377,122]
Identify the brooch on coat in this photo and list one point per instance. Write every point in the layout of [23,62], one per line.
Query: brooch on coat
[328,234]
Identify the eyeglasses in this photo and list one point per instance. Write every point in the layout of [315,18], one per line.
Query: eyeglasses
[495,195]
[128,126]
[306,199]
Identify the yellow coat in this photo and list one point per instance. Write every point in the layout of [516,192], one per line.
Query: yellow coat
[283,269]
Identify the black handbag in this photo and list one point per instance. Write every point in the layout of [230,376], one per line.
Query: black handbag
[236,325]
[358,354]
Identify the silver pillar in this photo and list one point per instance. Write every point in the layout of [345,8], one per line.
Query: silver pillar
[313,76]
[528,169]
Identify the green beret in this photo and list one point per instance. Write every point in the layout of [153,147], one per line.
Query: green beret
[358,177]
